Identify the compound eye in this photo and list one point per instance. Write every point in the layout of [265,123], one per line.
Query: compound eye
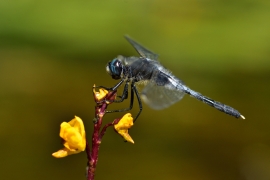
[114,68]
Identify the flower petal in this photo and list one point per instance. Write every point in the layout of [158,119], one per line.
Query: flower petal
[127,137]
[64,152]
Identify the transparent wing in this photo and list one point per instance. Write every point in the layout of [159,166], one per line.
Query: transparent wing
[142,50]
[160,97]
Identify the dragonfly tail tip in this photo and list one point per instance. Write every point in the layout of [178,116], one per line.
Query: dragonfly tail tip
[243,117]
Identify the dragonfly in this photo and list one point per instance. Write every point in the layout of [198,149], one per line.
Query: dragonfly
[162,89]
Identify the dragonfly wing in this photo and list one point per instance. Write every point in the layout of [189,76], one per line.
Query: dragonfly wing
[142,50]
[160,97]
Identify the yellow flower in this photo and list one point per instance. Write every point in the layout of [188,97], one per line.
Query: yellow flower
[73,134]
[123,125]
[101,94]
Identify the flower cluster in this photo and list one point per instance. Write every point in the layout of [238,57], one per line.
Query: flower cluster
[73,132]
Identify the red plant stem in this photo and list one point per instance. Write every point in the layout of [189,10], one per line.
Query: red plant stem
[92,154]
[95,142]
[103,131]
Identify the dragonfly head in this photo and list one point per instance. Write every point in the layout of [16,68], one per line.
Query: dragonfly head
[115,68]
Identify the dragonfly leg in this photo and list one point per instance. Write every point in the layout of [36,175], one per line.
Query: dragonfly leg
[133,87]
[125,94]
[112,88]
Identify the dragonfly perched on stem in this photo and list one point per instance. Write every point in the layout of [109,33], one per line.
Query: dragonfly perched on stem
[162,88]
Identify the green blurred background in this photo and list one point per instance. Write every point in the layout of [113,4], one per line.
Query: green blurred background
[52,52]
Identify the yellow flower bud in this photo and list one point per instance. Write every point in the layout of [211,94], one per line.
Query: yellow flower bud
[101,94]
